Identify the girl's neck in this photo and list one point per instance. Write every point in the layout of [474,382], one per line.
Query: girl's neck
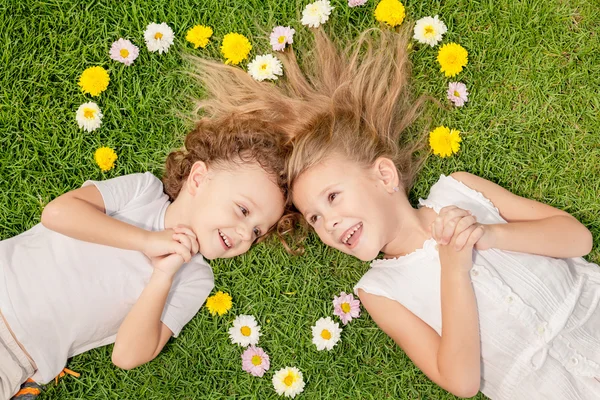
[411,230]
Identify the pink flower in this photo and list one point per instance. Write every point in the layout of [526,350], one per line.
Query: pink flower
[280,36]
[457,93]
[255,361]
[346,307]
[124,51]
[355,3]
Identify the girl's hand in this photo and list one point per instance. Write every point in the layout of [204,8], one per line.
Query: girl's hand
[456,232]
[179,240]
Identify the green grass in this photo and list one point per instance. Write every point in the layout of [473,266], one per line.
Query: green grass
[531,125]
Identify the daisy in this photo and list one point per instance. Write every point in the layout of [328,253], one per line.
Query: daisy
[219,303]
[89,116]
[356,3]
[245,331]
[158,37]
[346,307]
[235,48]
[105,158]
[390,11]
[429,30]
[457,93]
[316,13]
[199,35]
[255,361]
[444,142]
[326,333]
[265,67]
[94,80]
[124,51]
[452,58]
[281,36]
[288,381]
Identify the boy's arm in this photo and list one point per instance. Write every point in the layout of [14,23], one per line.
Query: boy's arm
[532,227]
[80,214]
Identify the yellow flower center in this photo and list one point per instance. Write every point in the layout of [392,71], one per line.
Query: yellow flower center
[451,59]
[325,334]
[88,113]
[158,35]
[124,53]
[456,94]
[288,380]
[346,307]
[429,30]
[263,67]
[281,39]
[256,360]
[246,331]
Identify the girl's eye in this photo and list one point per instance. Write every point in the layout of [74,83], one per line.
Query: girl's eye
[257,232]
[243,210]
[332,196]
[313,219]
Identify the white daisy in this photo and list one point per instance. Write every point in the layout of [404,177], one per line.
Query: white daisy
[429,30]
[264,67]
[288,381]
[158,37]
[316,13]
[89,116]
[124,51]
[245,331]
[326,333]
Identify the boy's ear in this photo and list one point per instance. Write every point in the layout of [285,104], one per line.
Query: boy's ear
[387,173]
[198,174]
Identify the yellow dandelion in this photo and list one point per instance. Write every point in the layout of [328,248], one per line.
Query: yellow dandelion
[199,35]
[219,303]
[390,11]
[444,141]
[105,158]
[452,58]
[94,80]
[235,48]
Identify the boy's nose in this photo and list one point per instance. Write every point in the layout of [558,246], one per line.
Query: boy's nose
[245,232]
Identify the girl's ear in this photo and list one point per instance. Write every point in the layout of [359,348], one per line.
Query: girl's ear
[387,174]
[198,174]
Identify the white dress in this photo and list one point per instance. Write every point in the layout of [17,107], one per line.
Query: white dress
[539,317]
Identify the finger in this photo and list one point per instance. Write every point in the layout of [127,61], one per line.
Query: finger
[184,229]
[476,235]
[184,240]
[462,238]
[437,228]
[446,210]
[464,223]
[183,251]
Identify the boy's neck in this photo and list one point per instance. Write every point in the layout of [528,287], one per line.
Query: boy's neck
[177,211]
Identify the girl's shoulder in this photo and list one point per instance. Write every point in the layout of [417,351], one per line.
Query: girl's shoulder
[450,191]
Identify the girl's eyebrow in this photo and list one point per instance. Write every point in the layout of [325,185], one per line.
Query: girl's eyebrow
[327,188]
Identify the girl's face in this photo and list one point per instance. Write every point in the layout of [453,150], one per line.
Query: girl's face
[232,207]
[349,206]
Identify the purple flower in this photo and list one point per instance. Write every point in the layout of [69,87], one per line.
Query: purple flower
[280,36]
[124,51]
[355,3]
[255,361]
[346,307]
[457,93]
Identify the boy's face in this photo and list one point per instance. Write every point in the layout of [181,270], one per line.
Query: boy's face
[347,205]
[232,207]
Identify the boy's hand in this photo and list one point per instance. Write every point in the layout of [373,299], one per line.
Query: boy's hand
[169,264]
[179,240]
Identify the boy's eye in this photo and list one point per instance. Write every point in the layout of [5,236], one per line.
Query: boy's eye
[243,210]
[257,232]
[332,196]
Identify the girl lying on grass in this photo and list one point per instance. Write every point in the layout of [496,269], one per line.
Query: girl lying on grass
[483,289]
[122,260]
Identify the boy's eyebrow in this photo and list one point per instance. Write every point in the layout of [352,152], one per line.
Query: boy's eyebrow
[250,201]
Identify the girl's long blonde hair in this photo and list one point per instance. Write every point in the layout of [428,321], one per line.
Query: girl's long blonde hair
[352,99]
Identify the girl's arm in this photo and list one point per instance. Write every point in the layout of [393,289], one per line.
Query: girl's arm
[532,227]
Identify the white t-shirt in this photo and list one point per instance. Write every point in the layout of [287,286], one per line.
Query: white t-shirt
[62,296]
